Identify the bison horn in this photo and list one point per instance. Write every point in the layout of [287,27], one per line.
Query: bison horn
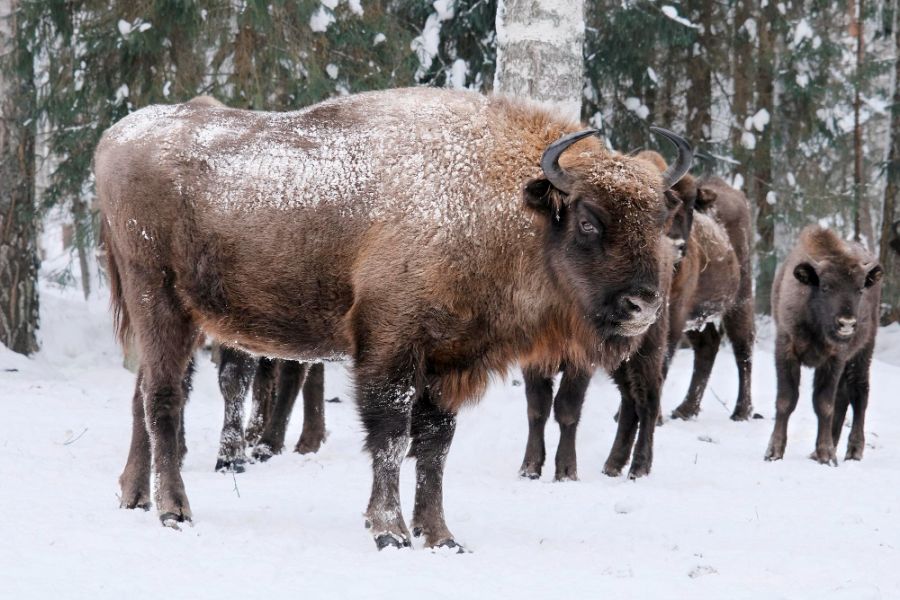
[554,173]
[682,164]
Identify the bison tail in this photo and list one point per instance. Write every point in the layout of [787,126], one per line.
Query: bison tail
[122,323]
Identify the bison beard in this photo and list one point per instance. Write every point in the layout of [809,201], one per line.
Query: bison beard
[388,227]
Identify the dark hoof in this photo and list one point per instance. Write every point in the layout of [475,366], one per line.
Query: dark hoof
[740,416]
[530,471]
[334,400]
[230,466]
[145,506]
[263,452]
[685,413]
[757,416]
[638,472]
[612,470]
[310,446]
[172,520]
[824,458]
[567,474]
[390,540]
[417,532]
[450,545]
[854,453]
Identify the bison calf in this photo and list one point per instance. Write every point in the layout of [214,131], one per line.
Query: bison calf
[825,301]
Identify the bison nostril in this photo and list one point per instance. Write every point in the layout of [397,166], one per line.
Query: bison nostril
[633,305]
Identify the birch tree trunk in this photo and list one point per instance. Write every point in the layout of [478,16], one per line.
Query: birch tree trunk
[18,223]
[540,52]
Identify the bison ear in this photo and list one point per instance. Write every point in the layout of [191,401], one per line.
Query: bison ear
[540,196]
[874,275]
[806,274]
[705,197]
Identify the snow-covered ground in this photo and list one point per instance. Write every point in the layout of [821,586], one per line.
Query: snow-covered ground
[712,521]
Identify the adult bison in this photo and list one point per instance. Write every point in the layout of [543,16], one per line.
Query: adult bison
[639,379]
[436,237]
[825,299]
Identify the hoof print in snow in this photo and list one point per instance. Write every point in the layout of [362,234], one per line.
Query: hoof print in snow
[708,439]
[701,570]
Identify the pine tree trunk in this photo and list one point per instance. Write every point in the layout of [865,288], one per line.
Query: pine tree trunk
[890,294]
[540,52]
[742,74]
[699,100]
[762,160]
[18,223]
[862,216]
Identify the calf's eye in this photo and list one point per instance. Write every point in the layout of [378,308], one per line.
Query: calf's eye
[588,227]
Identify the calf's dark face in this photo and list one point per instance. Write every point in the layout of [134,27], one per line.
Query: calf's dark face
[835,296]
[605,253]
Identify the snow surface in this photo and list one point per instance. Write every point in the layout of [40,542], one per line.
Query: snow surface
[713,520]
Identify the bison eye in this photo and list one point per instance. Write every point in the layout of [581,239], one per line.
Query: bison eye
[588,227]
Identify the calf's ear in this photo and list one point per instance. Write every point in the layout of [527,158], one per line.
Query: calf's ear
[540,196]
[874,275]
[806,274]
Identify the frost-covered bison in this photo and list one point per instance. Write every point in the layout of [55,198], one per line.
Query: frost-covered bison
[436,237]
[714,281]
[825,301]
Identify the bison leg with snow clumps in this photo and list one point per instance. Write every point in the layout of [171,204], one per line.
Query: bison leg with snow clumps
[236,370]
[290,376]
[705,343]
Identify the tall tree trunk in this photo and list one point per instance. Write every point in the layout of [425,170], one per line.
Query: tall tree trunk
[699,100]
[742,75]
[890,294]
[862,216]
[540,52]
[762,160]
[18,223]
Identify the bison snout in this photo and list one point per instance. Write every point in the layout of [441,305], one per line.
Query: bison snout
[846,326]
[639,311]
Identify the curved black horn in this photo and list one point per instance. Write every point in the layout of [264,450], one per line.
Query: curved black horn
[682,164]
[550,159]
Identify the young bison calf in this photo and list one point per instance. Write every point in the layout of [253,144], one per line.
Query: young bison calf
[825,300]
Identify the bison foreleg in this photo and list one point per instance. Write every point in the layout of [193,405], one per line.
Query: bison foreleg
[824,388]
[539,394]
[313,434]
[567,410]
[627,426]
[787,373]
[858,384]
[432,432]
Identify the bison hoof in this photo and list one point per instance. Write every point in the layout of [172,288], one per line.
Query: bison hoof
[530,471]
[854,452]
[825,457]
[742,414]
[263,452]
[567,473]
[172,520]
[685,413]
[450,545]
[230,465]
[391,540]
[309,445]
[638,471]
[612,470]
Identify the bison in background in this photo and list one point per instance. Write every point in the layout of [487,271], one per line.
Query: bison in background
[825,300]
[714,281]
[435,236]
